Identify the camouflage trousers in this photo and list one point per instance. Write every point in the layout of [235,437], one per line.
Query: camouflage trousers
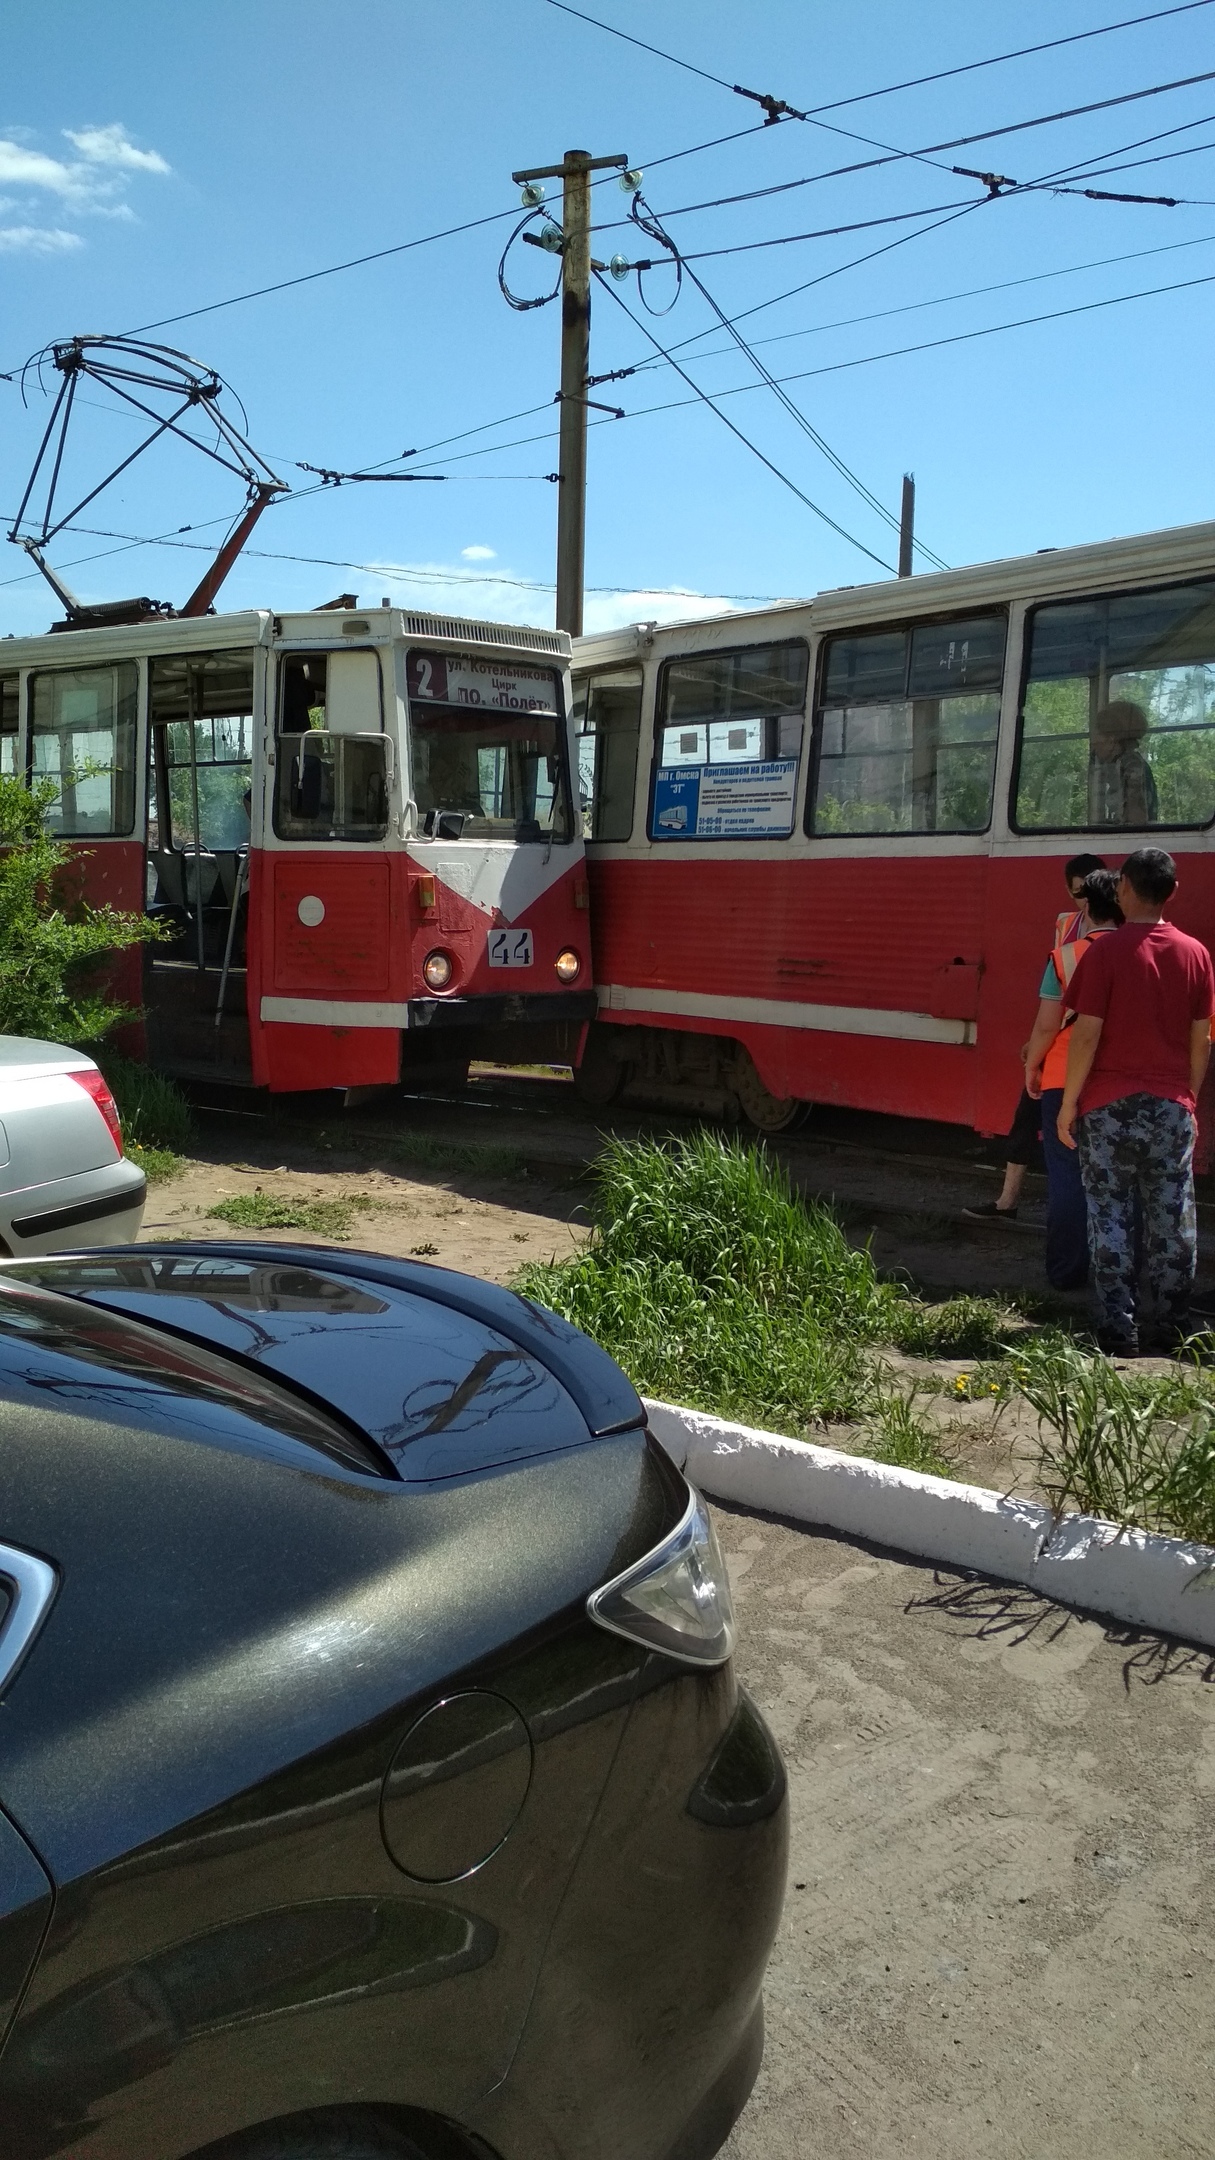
[1139,1148]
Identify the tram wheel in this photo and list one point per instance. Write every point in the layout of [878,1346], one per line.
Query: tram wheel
[600,1077]
[766,1112]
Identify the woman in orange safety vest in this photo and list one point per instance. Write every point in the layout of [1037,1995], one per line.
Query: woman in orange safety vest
[1045,1076]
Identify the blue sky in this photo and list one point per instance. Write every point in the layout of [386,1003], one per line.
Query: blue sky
[153,161]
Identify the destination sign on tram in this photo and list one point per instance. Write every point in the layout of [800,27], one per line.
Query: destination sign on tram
[483,685]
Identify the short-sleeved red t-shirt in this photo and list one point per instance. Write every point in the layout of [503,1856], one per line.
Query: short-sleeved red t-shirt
[1147,983]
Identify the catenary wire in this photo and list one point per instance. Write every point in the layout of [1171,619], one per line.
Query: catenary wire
[649,223]
[705,399]
[915,82]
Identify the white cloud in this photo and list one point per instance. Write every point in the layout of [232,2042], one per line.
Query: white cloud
[478,554]
[93,184]
[113,146]
[37,240]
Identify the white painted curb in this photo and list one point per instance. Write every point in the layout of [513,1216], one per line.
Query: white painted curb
[1166,1584]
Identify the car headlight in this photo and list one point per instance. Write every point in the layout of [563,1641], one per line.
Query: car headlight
[437,970]
[568,965]
[676,1600]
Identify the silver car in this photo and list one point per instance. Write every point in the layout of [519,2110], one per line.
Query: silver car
[64,1181]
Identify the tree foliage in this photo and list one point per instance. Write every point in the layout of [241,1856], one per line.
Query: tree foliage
[52,941]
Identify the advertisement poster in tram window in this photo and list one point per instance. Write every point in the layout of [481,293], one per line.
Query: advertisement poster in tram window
[725,802]
[483,685]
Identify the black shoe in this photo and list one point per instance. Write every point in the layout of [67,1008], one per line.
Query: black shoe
[990,1211]
[1171,1336]
[1117,1345]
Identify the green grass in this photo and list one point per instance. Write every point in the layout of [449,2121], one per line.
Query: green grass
[159,1165]
[420,1151]
[272,1211]
[1134,1448]
[157,1124]
[715,1286]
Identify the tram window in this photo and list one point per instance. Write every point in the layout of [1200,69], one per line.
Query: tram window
[82,738]
[9,690]
[908,723]
[332,761]
[1117,726]
[331,787]
[729,741]
[607,727]
[201,710]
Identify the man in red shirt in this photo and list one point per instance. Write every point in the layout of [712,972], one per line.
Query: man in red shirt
[1143,998]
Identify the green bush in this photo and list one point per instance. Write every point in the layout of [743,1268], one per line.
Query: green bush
[52,941]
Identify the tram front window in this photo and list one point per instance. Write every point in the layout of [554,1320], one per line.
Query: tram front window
[333,761]
[1117,729]
[82,739]
[487,748]
[908,722]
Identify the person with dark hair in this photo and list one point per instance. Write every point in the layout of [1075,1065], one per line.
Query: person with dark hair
[1121,785]
[1070,924]
[1046,1072]
[1143,998]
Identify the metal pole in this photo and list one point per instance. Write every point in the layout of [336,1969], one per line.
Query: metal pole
[198,907]
[907,525]
[575,367]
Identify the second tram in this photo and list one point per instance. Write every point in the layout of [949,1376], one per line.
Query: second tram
[826,840]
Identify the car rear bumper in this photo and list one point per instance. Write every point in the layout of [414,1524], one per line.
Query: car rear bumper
[646,2029]
[96,1207]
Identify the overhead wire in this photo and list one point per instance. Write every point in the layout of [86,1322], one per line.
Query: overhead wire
[650,224]
[915,82]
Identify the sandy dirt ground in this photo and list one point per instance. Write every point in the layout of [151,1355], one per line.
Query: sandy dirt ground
[999,1936]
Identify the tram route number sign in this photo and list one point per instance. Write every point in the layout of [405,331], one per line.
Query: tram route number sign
[510,948]
[724,802]
[440,678]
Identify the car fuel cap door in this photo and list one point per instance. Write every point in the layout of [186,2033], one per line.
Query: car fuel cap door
[456,1786]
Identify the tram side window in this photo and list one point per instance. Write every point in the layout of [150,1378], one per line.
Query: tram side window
[908,721]
[729,742]
[1117,727]
[607,727]
[9,691]
[332,761]
[82,739]
[201,740]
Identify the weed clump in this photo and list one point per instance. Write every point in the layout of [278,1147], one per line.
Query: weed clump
[714,1285]
[273,1211]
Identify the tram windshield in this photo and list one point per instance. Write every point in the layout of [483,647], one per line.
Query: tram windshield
[1118,721]
[487,750]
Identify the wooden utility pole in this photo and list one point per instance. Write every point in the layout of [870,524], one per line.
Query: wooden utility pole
[574,174]
[907,525]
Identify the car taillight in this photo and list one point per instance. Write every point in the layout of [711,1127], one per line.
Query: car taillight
[676,1600]
[94,1084]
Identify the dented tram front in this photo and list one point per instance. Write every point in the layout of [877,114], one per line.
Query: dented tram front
[356,827]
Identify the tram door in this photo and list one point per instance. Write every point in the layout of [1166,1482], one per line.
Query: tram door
[201,734]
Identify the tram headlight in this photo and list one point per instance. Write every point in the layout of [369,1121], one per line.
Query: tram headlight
[568,965]
[437,969]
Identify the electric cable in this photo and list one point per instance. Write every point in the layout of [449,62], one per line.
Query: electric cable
[860,97]
[650,224]
[754,448]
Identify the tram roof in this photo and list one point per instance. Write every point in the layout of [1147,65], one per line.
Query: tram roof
[1179,551]
[334,628]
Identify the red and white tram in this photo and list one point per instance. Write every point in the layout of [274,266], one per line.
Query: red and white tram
[826,840]
[358,823]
